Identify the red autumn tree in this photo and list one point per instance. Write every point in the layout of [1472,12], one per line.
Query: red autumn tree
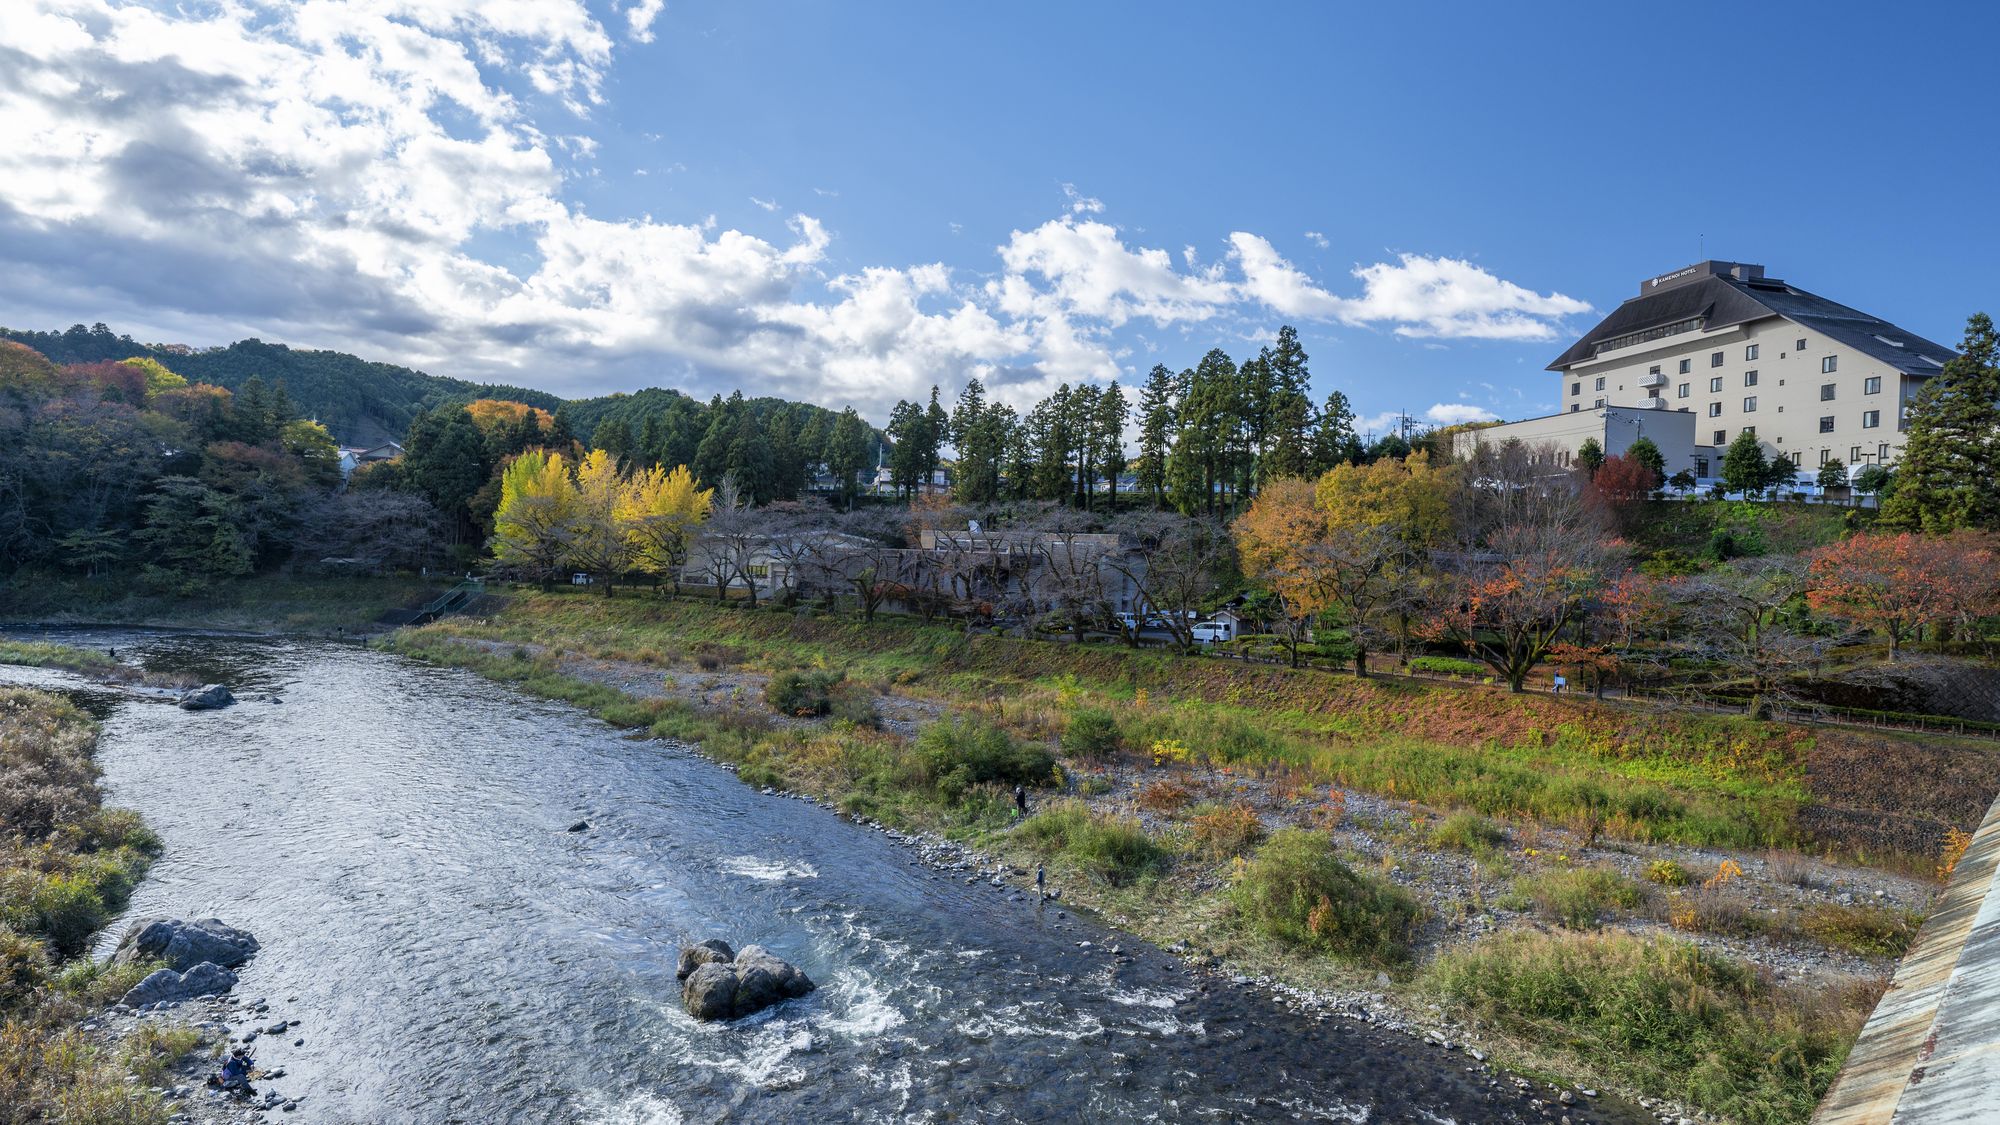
[1510,605]
[1622,480]
[1895,584]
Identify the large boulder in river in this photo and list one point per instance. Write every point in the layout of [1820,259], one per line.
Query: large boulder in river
[208,697]
[166,986]
[183,945]
[716,985]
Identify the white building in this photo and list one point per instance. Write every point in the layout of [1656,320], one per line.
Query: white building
[1615,428]
[1813,379]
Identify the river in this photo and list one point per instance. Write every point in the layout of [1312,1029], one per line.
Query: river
[394,834]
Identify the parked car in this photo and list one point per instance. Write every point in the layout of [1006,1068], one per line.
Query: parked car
[579,579]
[1214,632]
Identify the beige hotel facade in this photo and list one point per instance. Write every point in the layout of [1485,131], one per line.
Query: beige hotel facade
[1722,348]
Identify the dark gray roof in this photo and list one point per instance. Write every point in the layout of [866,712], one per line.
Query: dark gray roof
[1720,301]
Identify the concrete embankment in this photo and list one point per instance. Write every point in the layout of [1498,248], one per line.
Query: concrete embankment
[1930,1053]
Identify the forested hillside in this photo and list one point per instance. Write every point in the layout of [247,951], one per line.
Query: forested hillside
[360,402]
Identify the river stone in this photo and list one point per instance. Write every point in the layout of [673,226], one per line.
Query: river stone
[710,992]
[165,986]
[207,697]
[789,981]
[701,953]
[183,945]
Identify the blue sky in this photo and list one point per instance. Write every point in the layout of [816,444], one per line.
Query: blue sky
[845,203]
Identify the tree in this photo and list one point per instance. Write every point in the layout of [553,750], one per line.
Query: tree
[1894,584]
[1334,440]
[1877,479]
[1108,427]
[1683,481]
[1623,480]
[1175,569]
[1833,474]
[847,453]
[1744,468]
[190,537]
[1509,605]
[1781,473]
[1643,452]
[1734,616]
[1157,401]
[369,532]
[600,536]
[1950,468]
[662,509]
[1408,497]
[532,525]
[1590,456]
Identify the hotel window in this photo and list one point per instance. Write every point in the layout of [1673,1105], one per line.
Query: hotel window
[1715,385]
[1797,456]
[1654,370]
[1750,352]
[1872,385]
[1701,463]
[1826,424]
[1687,365]
[1576,388]
[1829,365]
[1600,383]
[1681,391]
[1575,406]
[1715,360]
[1870,419]
[1826,392]
[1715,410]
[1749,403]
[1854,457]
[1749,378]
[1598,403]
[1882,453]
[1802,346]
[1721,438]
[1751,430]
[1825,455]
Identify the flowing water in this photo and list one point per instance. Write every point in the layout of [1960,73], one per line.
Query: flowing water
[394,836]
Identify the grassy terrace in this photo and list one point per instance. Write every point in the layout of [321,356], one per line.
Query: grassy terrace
[1628,773]
[1646,1014]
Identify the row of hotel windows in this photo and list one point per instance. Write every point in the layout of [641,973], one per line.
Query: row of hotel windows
[1855,455]
[1872,385]
[1827,366]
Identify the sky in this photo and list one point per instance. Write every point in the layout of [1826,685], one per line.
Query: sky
[849,203]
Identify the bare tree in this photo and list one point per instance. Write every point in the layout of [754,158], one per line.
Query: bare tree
[1175,567]
[1733,615]
[731,541]
[370,531]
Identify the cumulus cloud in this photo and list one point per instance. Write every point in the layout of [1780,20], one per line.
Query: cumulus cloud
[1317,239]
[389,176]
[1458,414]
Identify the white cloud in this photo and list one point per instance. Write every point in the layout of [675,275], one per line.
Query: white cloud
[1416,295]
[1317,239]
[1080,204]
[639,19]
[1457,414]
[388,176]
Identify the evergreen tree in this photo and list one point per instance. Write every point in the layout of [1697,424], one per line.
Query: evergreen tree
[1109,431]
[847,453]
[1744,466]
[937,431]
[1590,456]
[1647,455]
[1157,400]
[1833,474]
[1334,440]
[1946,479]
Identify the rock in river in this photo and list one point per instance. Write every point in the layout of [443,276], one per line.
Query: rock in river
[168,986]
[208,697]
[183,945]
[717,984]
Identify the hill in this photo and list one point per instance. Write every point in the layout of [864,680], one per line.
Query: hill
[362,402]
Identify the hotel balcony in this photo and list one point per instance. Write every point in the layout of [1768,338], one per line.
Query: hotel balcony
[1653,380]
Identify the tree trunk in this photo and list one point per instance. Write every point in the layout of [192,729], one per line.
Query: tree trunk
[1360,662]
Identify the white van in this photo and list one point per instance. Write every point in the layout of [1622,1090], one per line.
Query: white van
[1214,632]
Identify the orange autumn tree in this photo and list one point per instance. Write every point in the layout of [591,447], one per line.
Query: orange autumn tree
[1314,564]
[488,413]
[1895,584]
[1510,605]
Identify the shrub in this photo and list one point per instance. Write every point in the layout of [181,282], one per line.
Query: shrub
[1228,830]
[804,693]
[1668,1017]
[1873,931]
[1165,796]
[1577,897]
[1299,892]
[1114,849]
[1447,666]
[1667,873]
[956,754]
[1091,735]
[1468,832]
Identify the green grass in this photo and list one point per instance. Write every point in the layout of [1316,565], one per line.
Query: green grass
[67,865]
[1297,890]
[1470,833]
[41,654]
[1872,931]
[1668,1018]
[1579,898]
[1112,850]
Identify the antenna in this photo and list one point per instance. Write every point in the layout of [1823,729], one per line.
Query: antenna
[1701,248]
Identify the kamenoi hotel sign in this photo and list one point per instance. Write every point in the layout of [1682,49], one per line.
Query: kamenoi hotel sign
[1674,276]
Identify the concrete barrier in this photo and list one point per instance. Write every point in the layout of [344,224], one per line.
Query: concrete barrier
[1930,1052]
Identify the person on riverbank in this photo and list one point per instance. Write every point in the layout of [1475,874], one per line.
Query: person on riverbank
[1020,801]
[235,1075]
[1041,880]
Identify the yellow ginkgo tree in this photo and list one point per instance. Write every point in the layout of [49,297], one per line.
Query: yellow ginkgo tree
[660,510]
[533,527]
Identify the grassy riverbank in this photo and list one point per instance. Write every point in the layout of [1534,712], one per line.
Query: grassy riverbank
[1154,844]
[67,864]
[261,604]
